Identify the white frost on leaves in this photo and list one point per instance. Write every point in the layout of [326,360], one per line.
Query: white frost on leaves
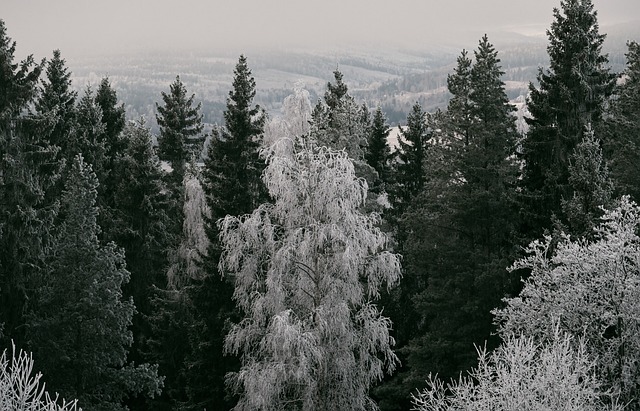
[20,390]
[194,237]
[592,289]
[307,269]
[522,375]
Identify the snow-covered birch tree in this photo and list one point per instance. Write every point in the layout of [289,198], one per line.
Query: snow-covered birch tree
[308,269]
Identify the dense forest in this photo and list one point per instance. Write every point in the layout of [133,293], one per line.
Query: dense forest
[301,262]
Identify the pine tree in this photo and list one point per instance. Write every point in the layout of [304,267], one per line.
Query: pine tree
[232,184]
[79,326]
[570,98]
[307,271]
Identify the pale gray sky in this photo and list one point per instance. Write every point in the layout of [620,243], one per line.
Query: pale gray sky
[83,26]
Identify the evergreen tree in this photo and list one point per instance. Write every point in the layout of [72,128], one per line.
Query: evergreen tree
[338,123]
[621,141]
[571,97]
[459,107]
[57,99]
[78,329]
[378,151]
[88,135]
[27,170]
[232,185]
[18,81]
[180,127]
[113,117]
[457,235]
[139,224]
[411,162]
[591,185]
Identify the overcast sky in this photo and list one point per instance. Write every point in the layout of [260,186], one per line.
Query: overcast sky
[82,26]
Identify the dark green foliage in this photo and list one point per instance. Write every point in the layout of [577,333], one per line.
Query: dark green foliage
[232,184]
[411,159]
[591,185]
[17,80]
[378,152]
[458,109]
[27,170]
[457,234]
[88,135]
[621,133]
[113,117]
[180,127]
[57,99]
[570,98]
[79,325]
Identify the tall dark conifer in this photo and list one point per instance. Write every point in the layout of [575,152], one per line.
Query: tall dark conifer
[378,151]
[570,99]
[57,99]
[180,128]
[232,184]
[27,170]
[412,155]
[78,328]
[622,130]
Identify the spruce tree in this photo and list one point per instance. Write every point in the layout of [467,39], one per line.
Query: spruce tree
[113,117]
[57,99]
[27,170]
[570,98]
[79,326]
[180,128]
[457,235]
[412,154]
[621,132]
[378,151]
[232,184]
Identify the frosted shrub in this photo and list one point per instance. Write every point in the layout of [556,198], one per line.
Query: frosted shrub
[590,288]
[20,390]
[522,376]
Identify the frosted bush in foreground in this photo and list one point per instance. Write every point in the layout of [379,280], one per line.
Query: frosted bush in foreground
[522,376]
[20,390]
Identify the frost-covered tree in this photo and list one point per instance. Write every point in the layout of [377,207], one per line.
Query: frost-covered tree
[194,243]
[523,375]
[590,288]
[307,270]
[22,390]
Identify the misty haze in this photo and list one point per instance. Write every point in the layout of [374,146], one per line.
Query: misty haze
[320,205]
